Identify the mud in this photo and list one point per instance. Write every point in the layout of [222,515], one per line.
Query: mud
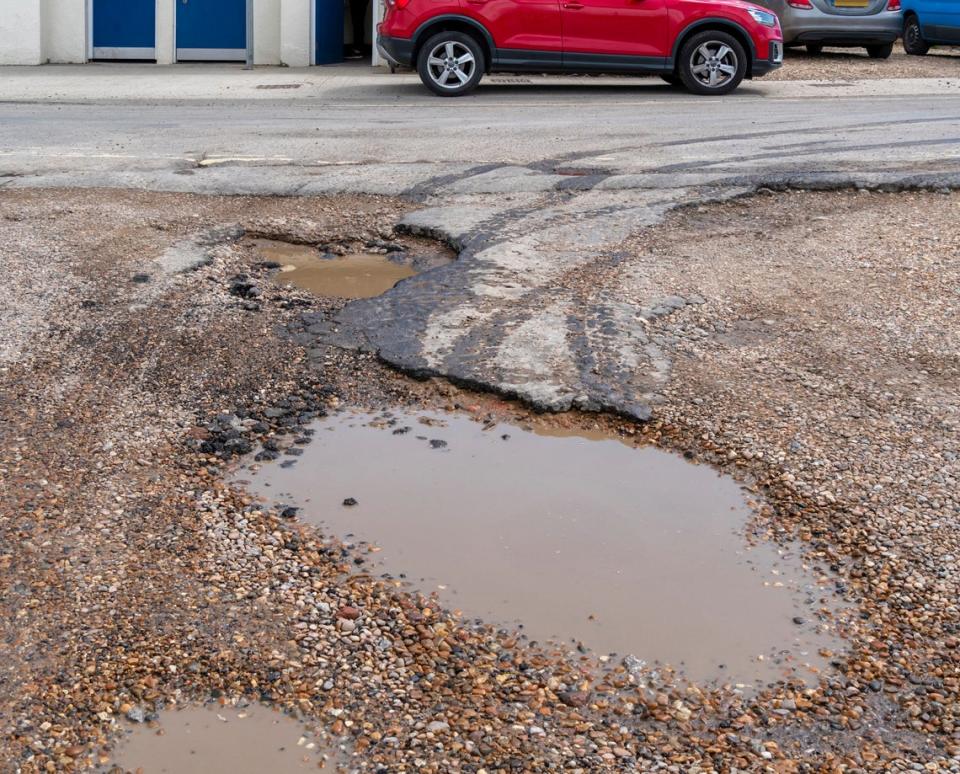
[223,740]
[356,275]
[581,539]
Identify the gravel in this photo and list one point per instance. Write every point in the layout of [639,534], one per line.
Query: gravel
[821,368]
[850,64]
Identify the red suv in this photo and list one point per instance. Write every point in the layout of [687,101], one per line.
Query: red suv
[708,46]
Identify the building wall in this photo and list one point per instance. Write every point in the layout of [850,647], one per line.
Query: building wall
[165,43]
[38,31]
[64,30]
[21,32]
[296,32]
[266,32]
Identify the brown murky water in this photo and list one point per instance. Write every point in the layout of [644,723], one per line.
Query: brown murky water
[223,740]
[361,275]
[630,551]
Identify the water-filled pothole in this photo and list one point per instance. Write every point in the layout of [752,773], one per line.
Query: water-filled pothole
[223,740]
[630,551]
[356,275]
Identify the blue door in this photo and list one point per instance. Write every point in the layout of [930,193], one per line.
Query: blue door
[124,29]
[329,46]
[211,29]
[943,21]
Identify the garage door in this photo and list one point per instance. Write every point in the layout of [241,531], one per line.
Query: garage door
[124,29]
[329,16]
[211,30]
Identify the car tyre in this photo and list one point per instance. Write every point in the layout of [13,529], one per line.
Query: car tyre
[814,48]
[712,62]
[451,64]
[673,79]
[882,51]
[913,42]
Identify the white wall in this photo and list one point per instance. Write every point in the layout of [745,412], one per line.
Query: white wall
[296,32]
[21,37]
[64,30]
[164,42]
[37,31]
[266,32]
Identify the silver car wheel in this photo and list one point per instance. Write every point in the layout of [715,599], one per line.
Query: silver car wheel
[714,64]
[451,64]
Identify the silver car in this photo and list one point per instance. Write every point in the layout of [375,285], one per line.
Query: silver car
[873,24]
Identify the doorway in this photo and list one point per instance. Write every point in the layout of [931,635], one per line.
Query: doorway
[124,29]
[335,37]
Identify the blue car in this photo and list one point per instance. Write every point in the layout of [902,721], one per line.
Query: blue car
[929,23]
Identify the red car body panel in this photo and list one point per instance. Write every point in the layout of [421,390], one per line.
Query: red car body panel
[640,36]
[518,24]
[623,27]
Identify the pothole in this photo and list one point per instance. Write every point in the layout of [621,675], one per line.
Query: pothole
[583,540]
[223,740]
[354,275]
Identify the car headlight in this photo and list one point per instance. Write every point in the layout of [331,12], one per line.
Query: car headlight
[765,18]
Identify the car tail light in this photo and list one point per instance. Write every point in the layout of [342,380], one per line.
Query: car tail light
[800,4]
[893,5]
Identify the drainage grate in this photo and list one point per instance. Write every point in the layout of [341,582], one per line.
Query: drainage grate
[280,86]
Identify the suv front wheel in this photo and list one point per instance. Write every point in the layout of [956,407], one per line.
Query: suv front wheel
[451,64]
[712,62]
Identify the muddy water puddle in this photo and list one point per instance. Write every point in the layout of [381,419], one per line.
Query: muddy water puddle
[577,539]
[357,275]
[223,740]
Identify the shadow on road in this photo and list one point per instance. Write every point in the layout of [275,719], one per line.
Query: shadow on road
[521,87]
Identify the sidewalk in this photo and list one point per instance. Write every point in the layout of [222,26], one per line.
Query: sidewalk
[187,82]
[138,81]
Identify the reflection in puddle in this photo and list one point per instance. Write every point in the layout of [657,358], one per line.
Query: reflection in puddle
[626,550]
[362,275]
[222,740]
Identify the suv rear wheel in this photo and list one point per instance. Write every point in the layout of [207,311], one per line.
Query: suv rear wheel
[712,62]
[913,42]
[451,63]
[881,51]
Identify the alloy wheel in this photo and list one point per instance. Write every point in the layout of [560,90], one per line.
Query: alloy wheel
[714,64]
[451,64]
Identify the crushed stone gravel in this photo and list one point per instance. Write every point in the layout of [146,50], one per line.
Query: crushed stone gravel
[851,64]
[821,369]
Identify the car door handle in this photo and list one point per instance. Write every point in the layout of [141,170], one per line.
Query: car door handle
[477,2]
[573,6]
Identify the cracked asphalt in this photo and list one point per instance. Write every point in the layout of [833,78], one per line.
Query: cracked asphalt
[531,183]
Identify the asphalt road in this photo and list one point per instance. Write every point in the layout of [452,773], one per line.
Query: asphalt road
[533,178]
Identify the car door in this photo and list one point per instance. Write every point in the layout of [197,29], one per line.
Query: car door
[611,32]
[526,33]
[941,20]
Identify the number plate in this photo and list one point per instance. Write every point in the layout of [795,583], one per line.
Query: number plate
[851,3]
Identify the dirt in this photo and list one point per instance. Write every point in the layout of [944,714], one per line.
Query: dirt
[222,739]
[145,347]
[350,275]
[850,64]
[588,542]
